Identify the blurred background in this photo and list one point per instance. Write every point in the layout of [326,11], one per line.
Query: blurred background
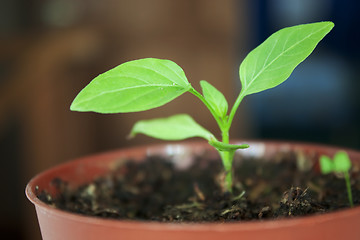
[50,49]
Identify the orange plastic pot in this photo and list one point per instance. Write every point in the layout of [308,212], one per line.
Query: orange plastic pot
[59,225]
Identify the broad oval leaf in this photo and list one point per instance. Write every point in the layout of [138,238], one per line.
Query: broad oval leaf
[326,164]
[272,62]
[342,162]
[177,127]
[215,98]
[133,86]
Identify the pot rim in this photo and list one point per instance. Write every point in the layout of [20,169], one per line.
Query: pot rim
[191,226]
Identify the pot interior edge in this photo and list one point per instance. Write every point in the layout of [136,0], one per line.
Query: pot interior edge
[100,164]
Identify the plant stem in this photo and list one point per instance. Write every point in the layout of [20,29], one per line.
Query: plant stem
[226,156]
[227,159]
[348,188]
[235,107]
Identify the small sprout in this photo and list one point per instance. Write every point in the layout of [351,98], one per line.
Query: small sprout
[340,164]
[149,83]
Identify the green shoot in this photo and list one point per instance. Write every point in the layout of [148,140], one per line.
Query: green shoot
[148,83]
[340,164]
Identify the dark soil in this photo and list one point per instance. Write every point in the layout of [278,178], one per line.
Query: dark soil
[286,186]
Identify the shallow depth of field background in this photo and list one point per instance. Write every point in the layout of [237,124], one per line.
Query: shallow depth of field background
[50,49]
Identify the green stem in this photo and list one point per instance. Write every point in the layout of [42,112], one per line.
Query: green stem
[348,187]
[224,125]
[227,159]
[228,156]
[234,108]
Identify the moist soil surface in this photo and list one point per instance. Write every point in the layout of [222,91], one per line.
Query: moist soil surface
[287,186]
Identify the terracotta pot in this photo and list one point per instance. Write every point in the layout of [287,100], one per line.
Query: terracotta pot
[59,225]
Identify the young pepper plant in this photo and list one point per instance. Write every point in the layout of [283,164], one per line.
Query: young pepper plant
[149,83]
[340,164]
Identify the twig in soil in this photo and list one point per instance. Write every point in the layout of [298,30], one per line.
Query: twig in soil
[231,210]
[190,205]
[238,196]
[198,192]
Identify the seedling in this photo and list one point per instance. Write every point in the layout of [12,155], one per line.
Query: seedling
[340,164]
[148,83]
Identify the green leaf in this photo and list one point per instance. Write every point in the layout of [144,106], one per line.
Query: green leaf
[215,98]
[326,164]
[177,127]
[342,162]
[133,86]
[272,62]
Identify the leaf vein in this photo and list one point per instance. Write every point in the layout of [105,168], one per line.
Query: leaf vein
[124,89]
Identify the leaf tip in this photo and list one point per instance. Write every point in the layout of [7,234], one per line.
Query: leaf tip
[331,24]
[133,131]
[73,106]
[244,146]
[130,136]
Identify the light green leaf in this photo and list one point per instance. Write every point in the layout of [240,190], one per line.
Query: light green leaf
[215,98]
[272,62]
[342,162]
[177,127]
[326,164]
[133,86]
